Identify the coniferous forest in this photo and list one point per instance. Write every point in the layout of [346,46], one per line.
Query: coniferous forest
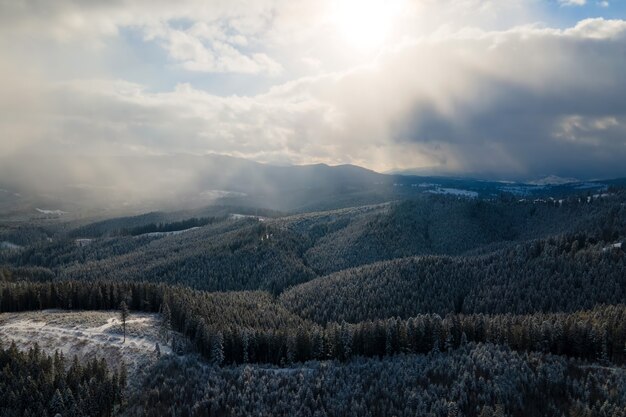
[433,306]
[313,208]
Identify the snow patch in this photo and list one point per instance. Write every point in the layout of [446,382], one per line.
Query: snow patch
[237,216]
[454,191]
[9,245]
[55,212]
[618,245]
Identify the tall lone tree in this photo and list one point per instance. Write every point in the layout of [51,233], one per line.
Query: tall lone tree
[166,321]
[123,317]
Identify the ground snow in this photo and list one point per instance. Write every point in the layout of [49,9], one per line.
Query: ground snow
[618,245]
[237,216]
[87,334]
[8,245]
[56,212]
[454,191]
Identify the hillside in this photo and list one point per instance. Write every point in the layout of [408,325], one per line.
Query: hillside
[246,252]
[319,299]
[564,274]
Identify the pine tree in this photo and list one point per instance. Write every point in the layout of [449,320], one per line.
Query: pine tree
[388,340]
[463,339]
[245,342]
[318,345]
[217,349]
[124,316]
[166,321]
[453,409]
[346,341]
[449,343]
[57,405]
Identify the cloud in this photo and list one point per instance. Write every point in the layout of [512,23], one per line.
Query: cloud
[528,100]
[513,102]
[458,96]
[572,2]
[209,49]
[216,36]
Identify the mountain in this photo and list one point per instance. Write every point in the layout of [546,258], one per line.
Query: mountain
[72,187]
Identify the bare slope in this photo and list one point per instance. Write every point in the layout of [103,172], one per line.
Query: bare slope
[87,334]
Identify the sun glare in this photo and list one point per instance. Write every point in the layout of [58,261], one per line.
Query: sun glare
[366,24]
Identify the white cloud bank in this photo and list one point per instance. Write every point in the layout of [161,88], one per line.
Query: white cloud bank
[513,102]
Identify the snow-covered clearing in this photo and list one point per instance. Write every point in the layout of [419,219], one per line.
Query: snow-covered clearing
[56,212]
[454,191]
[87,334]
[237,216]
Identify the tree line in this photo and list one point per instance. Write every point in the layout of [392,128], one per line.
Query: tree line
[251,327]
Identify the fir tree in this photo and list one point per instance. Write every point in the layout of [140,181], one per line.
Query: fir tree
[124,313]
[217,349]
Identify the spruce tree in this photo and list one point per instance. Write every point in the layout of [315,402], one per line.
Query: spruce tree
[123,317]
[217,349]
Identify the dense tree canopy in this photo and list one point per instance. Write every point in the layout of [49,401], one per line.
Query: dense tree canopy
[436,306]
[35,384]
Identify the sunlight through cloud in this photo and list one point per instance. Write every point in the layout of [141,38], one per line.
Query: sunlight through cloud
[366,24]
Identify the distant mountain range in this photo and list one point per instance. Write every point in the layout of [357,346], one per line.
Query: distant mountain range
[136,184]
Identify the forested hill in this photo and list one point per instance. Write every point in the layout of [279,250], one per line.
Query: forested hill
[321,300]
[450,226]
[567,273]
[248,252]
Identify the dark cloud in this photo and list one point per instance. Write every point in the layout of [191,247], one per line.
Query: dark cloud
[569,119]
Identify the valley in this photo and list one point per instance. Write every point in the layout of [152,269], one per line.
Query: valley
[327,297]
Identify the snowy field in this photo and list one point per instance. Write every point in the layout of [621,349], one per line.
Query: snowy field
[454,191]
[87,334]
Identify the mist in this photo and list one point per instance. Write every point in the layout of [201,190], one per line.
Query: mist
[119,104]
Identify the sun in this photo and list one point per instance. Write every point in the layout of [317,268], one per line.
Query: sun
[366,24]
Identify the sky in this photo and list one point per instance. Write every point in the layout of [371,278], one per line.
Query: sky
[491,88]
